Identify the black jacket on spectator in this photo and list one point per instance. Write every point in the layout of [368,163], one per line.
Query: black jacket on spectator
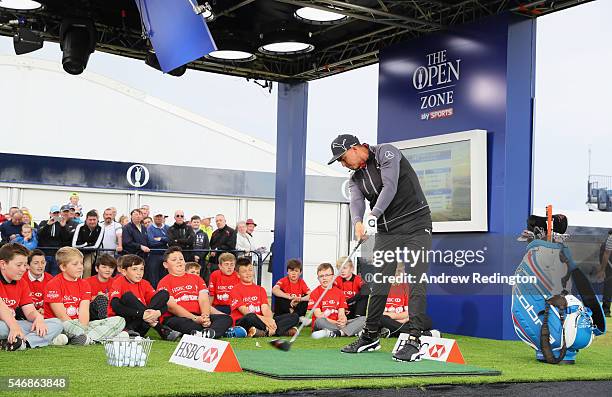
[222,240]
[7,229]
[70,227]
[85,238]
[201,243]
[53,235]
[182,236]
[133,238]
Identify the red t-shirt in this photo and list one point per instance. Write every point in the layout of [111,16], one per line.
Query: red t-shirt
[351,286]
[141,290]
[297,289]
[98,286]
[397,300]
[185,290]
[220,286]
[37,288]
[252,296]
[331,303]
[15,294]
[70,293]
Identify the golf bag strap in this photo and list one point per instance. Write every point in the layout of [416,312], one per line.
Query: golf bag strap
[561,304]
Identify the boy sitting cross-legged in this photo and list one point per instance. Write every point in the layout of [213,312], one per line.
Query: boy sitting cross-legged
[34,331]
[291,292]
[329,316]
[67,298]
[250,308]
[100,284]
[134,299]
[189,310]
[222,281]
[37,278]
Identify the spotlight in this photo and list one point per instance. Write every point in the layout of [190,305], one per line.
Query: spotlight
[151,60]
[316,16]
[21,5]
[232,50]
[205,10]
[284,42]
[26,41]
[77,41]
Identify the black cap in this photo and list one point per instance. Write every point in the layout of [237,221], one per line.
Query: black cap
[341,144]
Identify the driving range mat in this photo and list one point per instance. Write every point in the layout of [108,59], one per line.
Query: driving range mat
[330,363]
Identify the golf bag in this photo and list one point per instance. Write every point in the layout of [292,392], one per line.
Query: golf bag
[545,314]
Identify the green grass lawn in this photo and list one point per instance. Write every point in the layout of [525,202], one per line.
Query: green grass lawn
[89,374]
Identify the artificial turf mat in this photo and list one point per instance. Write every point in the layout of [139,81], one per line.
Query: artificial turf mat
[331,363]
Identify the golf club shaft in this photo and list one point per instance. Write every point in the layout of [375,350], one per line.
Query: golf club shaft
[330,286]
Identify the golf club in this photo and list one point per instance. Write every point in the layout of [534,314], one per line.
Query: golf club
[284,345]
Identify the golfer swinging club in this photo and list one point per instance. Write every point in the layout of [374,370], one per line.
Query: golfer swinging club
[384,177]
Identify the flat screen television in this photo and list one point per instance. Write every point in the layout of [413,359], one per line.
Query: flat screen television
[452,169]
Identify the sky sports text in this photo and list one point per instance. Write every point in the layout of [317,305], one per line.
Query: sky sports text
[459,258]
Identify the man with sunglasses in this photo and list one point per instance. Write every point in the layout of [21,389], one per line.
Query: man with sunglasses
[384,177]
[182,235]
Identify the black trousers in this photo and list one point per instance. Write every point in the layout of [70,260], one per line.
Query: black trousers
[224,308]
[400,239]
[283,322]
[154,268]
[607,290]
[357,307]
[98,308]
[283,306]
[394,326]
[218,322]
[159,301]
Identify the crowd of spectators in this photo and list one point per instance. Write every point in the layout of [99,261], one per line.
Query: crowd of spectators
[143,232]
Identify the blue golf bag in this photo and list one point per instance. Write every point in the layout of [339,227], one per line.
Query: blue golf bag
[544,313]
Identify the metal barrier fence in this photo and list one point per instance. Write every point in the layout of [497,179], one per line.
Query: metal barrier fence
[256,256]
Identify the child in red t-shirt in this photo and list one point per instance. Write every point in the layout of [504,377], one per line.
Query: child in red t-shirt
[330,315]
[250,308]
[100,286]
[37,278]
[222,281]
[351,284]
[134,299]
[189,310]
[291,292]
[67,297]
[34,331]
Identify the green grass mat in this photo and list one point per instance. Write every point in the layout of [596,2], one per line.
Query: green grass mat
[330,363]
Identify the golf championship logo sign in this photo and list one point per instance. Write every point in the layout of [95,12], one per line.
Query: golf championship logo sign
[206,354]
[137,175]
[435,84]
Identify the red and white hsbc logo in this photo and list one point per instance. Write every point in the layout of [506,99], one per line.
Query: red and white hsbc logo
[206,354]
[436,351]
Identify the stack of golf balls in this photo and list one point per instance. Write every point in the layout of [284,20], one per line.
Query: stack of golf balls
[127,353]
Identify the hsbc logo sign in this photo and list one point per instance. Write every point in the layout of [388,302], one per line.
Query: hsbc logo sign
[205,354]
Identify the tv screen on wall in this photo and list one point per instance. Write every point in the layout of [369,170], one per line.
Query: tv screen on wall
[452,170]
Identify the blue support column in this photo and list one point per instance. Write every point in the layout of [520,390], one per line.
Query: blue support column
[292,114]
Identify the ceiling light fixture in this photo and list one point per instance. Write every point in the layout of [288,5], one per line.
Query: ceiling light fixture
[316,16]
[152,61]
[77,42]
[284,42]
[21,5]
[231,49]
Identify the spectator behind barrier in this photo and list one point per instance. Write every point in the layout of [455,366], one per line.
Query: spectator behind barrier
[223,239]
[180,234]
[28,237]
[111,233]
[12,228]
[134,236]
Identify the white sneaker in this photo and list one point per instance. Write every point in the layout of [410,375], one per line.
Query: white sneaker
[60,340]
[123,335]
[325,333]
[306,321]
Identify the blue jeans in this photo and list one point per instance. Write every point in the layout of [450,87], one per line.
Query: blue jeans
[54,326]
